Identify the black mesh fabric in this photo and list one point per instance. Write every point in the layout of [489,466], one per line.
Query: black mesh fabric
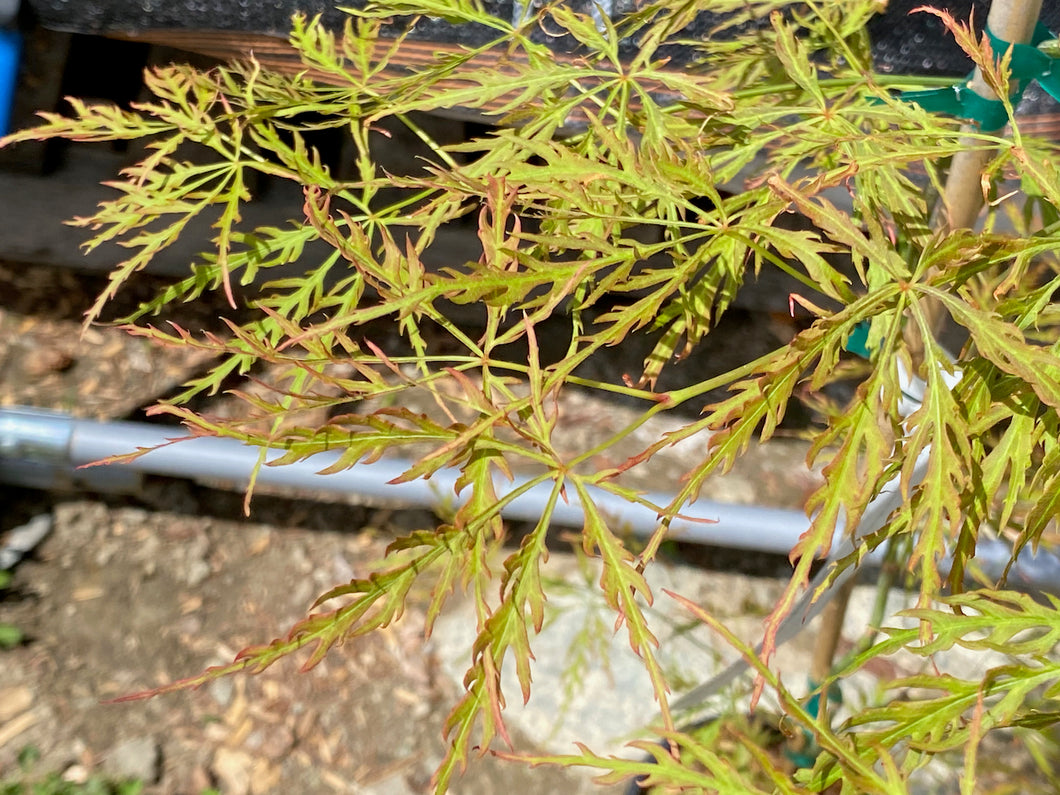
[903,43]
[267,16]
[906,43]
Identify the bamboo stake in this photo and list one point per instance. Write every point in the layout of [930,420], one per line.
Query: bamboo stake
[830,632]
[826,643]
[962,198]
[1012,21]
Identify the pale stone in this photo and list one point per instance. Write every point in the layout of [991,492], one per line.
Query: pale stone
[76,774]
[14,700]
[232,769]
[139,759]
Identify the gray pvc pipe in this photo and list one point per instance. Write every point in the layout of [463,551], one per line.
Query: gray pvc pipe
[30,437]
[44,449]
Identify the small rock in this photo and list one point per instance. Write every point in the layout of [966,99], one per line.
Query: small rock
[198,571]
[139,758]
[42,361]
[232,769]
[22,539]
[195,567]
[264,777]
[16,726]
[76,774]
[273,742]
[298,560]
[215,732]
[221,691]
[14,700]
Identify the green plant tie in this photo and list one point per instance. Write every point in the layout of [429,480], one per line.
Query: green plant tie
[813,704]
[1039,60]
[858,341]
[805,754]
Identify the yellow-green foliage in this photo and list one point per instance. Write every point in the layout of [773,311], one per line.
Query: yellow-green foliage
[653,148]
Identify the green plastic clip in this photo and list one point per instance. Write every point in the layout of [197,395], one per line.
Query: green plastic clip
[858,341]
[1038,61]
[805,753]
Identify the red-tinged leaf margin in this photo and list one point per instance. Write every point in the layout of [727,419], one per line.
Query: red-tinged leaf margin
[936,429]
[992,66]
[622,583]
[1005,346]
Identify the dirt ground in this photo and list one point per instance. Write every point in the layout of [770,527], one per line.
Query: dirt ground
[132,592]
[120,598]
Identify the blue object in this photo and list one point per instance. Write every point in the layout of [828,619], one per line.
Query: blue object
[10,49]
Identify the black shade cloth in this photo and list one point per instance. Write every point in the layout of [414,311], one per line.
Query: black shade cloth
[902,43]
